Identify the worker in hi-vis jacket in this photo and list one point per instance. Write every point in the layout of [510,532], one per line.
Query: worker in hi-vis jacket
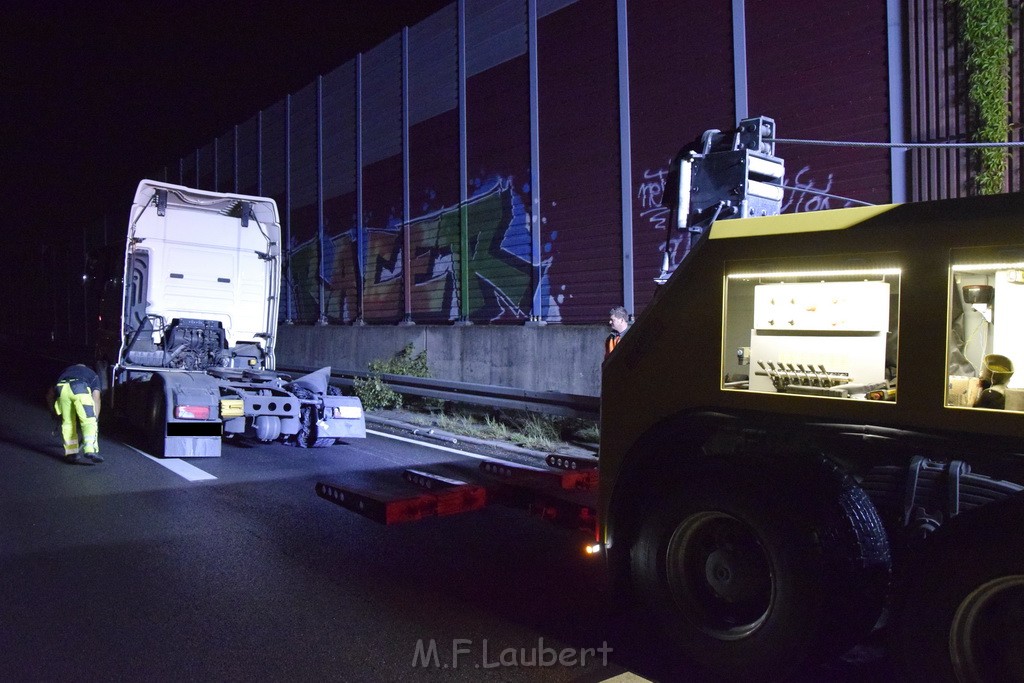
[76,399]
[618,320]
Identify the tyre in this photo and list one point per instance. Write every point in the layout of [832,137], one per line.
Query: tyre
[307,437]
[755,579]
[156,415]
[960,613]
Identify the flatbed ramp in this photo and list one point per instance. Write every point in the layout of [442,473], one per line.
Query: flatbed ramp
[561,491]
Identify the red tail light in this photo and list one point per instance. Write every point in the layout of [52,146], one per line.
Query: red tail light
[192,412]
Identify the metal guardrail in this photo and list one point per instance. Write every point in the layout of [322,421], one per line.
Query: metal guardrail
[548,402]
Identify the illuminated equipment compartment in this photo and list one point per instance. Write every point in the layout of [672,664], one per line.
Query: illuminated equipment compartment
[986,331]
[817,333]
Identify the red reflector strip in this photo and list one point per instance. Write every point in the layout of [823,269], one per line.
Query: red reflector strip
[192,412]
[573,479]
[393,511]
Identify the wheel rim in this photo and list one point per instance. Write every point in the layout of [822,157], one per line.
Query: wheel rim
[986,639]
[719,575]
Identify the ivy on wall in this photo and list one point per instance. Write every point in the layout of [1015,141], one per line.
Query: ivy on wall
[985,32]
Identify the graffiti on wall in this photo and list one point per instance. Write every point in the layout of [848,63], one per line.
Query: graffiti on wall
[805,195]
[656,215]
[499,263]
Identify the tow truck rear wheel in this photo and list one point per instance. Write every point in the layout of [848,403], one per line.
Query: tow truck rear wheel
[757,579]
[960,606]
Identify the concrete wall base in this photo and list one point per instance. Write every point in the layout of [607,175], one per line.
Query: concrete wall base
[562,358]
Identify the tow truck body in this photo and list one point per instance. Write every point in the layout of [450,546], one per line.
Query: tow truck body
[812,427]
[813,431]
[188,329]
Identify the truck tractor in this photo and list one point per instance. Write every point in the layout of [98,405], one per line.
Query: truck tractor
[187,330]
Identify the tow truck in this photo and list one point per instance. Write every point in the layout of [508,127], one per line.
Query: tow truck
[814,431]
[186,341]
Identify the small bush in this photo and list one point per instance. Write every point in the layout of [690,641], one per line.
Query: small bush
[405,362]
[376,395]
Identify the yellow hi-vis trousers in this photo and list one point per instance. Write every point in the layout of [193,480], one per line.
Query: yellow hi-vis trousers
[77,409]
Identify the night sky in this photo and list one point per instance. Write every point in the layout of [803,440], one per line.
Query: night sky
[96,95]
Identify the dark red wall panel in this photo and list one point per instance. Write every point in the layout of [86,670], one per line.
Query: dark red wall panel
[820,70]
[498,154]
[341,261]
[382,220]
[581,234]
[434,207]
[680,84]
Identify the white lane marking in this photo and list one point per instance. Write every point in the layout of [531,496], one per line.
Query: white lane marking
[178,466]
[428,445]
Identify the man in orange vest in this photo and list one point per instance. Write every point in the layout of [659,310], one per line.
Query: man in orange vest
[618,320]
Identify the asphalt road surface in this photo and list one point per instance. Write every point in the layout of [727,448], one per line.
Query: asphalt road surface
[232,568]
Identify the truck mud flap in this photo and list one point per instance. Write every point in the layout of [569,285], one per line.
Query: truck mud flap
[177,446]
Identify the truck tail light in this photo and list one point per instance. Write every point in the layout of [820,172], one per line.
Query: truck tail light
[192,412]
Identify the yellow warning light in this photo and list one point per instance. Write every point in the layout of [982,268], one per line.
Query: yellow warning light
[593,549]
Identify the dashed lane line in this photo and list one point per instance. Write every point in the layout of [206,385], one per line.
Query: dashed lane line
[178,466]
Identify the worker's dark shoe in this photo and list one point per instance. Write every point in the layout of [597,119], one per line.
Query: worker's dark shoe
[95,457]
[77,459]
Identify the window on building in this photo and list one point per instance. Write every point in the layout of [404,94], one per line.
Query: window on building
[826,333]
[986,329]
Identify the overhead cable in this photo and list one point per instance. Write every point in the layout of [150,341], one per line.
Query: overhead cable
[809,190]
[908,145]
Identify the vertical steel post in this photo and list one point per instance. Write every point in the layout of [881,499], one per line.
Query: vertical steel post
[463,176]
[536,312]
[360,233]
[626,158]
[259,153]
[406,212]
[897,119]
[321,288]
[739,60]
[86,322]
[289,313]
[234,157]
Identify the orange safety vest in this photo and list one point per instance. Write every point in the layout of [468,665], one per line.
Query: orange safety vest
[611,342]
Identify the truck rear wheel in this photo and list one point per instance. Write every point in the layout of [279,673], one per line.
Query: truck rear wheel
[961,605]
[156,415]
[755,579]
